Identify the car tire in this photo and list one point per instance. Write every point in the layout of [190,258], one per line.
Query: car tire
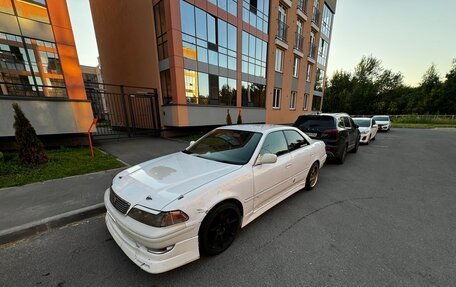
[219,229]
[355,149]
[312,176]
[341,158]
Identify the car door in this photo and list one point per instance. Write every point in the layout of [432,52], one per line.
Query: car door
[270,180]
[374,128]
[350,127]
[301,155]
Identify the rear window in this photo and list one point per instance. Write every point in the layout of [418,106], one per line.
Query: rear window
[315,123]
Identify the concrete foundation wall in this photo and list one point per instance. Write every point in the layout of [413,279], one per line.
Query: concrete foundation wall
[47,116]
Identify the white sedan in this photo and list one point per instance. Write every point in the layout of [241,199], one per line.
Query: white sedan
[164,212]
[383,122]
[368,129]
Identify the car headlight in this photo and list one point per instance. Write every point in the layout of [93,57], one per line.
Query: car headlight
[365,132]
[162,219]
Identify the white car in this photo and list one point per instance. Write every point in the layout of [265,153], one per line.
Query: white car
[164,212]
[368,129]
[383,122]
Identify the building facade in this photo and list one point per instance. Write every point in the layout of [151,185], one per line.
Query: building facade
[39,68]
[263,59]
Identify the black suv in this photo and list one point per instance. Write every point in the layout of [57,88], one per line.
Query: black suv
[338,131]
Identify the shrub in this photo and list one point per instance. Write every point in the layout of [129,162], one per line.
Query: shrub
[228,118]
[239,118]
[1,156]
[31,150]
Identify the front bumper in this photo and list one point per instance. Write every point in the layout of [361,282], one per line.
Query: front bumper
[364,138]
[183,247]
[384,128]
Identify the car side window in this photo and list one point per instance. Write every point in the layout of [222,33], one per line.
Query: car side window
[275,143]
[373,122]
[347,123]
[340,123]
[295,140]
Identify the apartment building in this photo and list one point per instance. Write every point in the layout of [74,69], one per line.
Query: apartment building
[39,69]
[264,59]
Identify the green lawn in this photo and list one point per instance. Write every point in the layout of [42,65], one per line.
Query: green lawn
[62,162]
[422,125]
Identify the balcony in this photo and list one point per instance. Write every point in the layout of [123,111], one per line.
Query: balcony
[282,29]
[302,4]
[299,41]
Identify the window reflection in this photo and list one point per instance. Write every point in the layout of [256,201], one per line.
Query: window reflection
[214,41]
[208,89]
[256,13]
[253,95]
[30,67]
[254,52]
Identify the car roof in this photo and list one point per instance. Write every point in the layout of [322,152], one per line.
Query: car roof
[361,118]
[327,114]
[261,128]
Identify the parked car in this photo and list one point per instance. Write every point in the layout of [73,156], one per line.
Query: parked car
[368,128]
[338,131]
[383,122]
[164,212]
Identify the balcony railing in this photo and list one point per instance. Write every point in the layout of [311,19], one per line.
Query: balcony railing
[282,29]
[312,51]
[299,40]
[302,4]
[315,16]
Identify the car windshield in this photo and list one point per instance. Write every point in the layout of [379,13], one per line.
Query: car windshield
[228,146]
[315,123]
[362,122]
[381,118]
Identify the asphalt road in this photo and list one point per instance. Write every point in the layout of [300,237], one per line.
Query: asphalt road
[385,217]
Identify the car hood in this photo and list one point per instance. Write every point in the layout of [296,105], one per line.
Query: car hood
[382,122]
[156,183]
[364,129]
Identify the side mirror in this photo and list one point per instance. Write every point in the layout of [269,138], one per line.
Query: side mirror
[356,126]
[267,158]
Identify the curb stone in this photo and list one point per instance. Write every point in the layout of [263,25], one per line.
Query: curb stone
[43,225]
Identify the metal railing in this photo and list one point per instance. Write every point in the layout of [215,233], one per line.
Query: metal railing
[302,4]
[299,41]
[282,29]
[123,110]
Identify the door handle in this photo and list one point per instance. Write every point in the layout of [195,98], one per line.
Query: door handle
[288,165]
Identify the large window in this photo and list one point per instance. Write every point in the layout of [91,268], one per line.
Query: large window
[206,38]
[323,52]
[256,13]
[254,55]
[279,60]
[165,80]
[316,103]
[319,80]
[276,98]
[253,95]
[228,5]
[326,21]
[30,67]
[160,30]
[208,89]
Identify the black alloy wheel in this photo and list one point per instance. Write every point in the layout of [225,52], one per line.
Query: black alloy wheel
[219,229]
[312,176]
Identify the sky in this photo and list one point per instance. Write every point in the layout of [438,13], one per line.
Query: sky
[406,35]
